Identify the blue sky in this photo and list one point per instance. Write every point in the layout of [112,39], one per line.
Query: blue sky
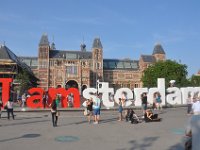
[127,28]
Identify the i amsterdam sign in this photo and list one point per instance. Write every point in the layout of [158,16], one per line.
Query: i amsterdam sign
[175,95]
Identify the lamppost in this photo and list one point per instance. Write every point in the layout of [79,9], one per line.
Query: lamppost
[65,72]
[97,86]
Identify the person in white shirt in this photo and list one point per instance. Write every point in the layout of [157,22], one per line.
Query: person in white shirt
[196,106]
[96,109]
[10,109]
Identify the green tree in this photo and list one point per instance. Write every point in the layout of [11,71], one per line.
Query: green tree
[23,78]
[170,70]
[195,80]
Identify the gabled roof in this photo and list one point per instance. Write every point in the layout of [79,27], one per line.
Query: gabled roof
[70,54]
[97,43]
[8,55]
[158,49]
[117,64]
[148,58]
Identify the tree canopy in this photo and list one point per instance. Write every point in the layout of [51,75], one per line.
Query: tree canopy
[170,70]
[195,80]
[24,79]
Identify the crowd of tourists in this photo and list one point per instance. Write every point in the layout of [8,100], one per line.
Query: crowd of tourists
[93,111]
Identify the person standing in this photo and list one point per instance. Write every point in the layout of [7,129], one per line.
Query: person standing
[120,109]
[196,106]
[96,109]
[9,105]
[189,104]
[158,101]
[53,106]
[89,104]
[23,101]
[144,102]
[193,131]
[44,100]
[70,100]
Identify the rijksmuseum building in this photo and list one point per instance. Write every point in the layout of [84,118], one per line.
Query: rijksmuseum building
[80,68]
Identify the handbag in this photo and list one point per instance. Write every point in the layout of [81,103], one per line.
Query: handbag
[86,112]
[57,113]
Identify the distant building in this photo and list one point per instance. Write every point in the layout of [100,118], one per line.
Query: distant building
[82,68]
[198,73]
[10,64]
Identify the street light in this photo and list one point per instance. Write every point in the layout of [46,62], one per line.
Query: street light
[97,85]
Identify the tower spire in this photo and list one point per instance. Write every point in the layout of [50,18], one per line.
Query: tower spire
[44,40]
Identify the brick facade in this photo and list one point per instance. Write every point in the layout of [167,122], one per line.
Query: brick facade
[83,68]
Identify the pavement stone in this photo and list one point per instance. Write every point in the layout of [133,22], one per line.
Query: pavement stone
[34,130]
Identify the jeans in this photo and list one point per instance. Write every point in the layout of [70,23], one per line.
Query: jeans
[54,119]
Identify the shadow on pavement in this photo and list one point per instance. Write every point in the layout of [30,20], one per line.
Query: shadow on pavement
[23,136]
[179,146]
[144,144]
[23,123]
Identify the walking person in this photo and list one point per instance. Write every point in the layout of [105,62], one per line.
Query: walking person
[53,106]
[89,104]
[9,105]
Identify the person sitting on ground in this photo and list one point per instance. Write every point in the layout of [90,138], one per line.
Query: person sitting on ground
[127,111]
[150,116]
[131,116]
[134,118]
[128,114]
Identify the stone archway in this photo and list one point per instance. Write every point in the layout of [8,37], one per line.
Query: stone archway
[83,88]
[71,84]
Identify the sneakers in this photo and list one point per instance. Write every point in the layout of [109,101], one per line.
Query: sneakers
[95,123]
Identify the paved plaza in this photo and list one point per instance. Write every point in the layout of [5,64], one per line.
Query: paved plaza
[34,131]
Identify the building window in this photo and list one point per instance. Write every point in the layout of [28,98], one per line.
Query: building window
[128,76]
[43,64]
[136,85]
[72,70]
[98,65]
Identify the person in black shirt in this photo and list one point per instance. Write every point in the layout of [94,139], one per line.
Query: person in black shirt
[144,102]
[89,104]
[149,116]
[53,106]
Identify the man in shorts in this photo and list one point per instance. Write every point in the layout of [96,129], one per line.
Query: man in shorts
[96,109]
